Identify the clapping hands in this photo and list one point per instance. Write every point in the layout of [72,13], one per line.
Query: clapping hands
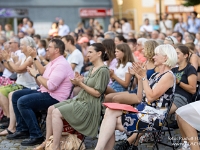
[32,52]
[138,69]
[77,79]
[5,55]
[32,71]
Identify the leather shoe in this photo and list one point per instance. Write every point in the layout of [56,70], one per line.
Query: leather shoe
[18,135]
[32,142]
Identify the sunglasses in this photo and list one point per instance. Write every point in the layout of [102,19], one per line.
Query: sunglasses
[169,39]
[12,42]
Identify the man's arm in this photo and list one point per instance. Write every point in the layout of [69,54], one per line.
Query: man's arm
[38,65]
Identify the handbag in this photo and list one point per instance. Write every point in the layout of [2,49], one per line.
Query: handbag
[13,76]
[68,129]
[67,142]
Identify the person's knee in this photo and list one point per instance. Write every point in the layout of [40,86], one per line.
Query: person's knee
[50,109]
[56,113]
[108,98]
[109,112]
[117,99]
[15,97]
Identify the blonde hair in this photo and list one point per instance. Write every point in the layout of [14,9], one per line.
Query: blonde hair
[169,51]
[149,47]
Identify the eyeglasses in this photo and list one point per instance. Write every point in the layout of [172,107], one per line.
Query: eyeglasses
[12,42]
[169,39]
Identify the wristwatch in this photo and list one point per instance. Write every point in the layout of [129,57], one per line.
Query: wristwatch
[37,75]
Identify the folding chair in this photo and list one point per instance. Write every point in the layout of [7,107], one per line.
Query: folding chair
[196,95]
[131,83]
[163,129]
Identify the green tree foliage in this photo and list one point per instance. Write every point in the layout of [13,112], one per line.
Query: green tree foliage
[191,2]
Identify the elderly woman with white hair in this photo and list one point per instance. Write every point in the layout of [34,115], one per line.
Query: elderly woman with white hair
[155,94]
[139,53]
[24,80]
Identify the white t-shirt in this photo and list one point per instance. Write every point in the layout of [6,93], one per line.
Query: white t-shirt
[121,71]
[146,28]
[25,78]
[76,57]
[168,24]
[63,30]
[41,52]
[6,72]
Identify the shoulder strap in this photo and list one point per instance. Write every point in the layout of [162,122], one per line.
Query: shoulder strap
[153,75]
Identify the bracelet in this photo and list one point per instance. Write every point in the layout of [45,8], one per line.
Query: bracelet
[144,78]
[37,75]
[35,59]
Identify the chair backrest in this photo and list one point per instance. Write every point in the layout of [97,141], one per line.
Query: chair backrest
[168,110]
[131,83]
[195,96]
[70,94]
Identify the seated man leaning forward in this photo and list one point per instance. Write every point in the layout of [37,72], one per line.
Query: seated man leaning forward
[55,86]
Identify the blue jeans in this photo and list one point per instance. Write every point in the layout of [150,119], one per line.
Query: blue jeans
[25,102]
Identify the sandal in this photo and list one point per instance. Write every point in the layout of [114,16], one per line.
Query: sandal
[3,133]
[41,146]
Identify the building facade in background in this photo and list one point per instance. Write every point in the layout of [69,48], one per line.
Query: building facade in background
[137,10]
[44,12]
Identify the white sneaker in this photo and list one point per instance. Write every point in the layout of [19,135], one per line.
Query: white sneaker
[185,146]
[120,135]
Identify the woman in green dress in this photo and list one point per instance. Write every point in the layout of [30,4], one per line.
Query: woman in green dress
[83,111]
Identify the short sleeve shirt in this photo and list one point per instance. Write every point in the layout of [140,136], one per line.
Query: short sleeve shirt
[182,75]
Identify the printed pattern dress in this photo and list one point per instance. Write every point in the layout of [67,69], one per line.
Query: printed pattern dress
[150,115]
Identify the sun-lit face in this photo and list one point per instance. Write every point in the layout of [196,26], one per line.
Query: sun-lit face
[50,51]
[23,46]
[92,54]
[159,59]
[12,44]
[119,54]
[181,57]
[117,41]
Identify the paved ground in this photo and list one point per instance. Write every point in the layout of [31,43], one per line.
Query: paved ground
[90,143]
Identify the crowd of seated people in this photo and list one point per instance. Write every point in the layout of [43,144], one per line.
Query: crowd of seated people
[38,74]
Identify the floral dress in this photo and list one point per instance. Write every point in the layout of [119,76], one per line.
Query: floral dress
[150,115]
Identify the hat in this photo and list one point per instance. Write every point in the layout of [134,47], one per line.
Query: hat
[83,40]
